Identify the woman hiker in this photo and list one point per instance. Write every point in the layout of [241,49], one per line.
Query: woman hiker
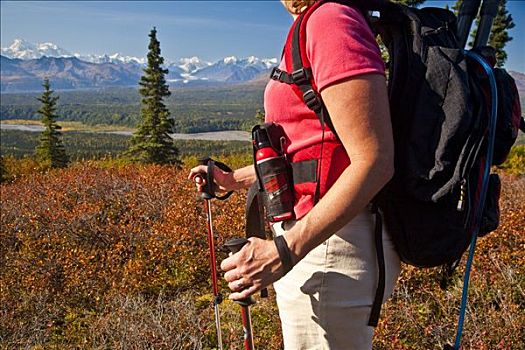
[325,300]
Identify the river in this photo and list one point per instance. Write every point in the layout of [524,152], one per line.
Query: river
[230,135]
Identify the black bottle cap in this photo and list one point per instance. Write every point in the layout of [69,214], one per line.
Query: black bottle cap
[261,139]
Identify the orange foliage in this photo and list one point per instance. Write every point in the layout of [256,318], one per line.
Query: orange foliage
[78,245]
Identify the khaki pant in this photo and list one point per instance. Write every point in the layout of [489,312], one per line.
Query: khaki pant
[325,300]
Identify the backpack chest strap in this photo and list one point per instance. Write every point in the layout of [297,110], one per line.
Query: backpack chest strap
[300,76]
[302,79]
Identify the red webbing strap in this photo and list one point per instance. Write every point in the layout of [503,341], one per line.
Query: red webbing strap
[296,42]
[298,30]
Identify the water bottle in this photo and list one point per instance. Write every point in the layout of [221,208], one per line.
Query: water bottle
[274,177]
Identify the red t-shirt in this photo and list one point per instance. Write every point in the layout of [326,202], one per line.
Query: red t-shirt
[339,45]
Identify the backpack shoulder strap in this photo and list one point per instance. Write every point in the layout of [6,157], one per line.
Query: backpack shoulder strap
[298,67]
[297,63]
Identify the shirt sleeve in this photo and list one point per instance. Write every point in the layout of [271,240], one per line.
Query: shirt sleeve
[340,45]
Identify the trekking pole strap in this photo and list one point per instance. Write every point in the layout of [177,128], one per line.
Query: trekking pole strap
[208,191]
[284,253]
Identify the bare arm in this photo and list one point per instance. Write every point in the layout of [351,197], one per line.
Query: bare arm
[359,111]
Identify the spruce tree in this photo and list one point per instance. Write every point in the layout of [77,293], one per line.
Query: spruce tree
[50,150]
[499,36]
[151,142]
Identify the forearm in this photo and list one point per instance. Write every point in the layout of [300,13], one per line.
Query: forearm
[354,190]
[242,178]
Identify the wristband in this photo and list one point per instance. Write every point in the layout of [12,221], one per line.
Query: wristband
[284,253]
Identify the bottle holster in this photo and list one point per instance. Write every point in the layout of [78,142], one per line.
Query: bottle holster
[274,174]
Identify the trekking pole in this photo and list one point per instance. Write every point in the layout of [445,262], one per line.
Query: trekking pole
[489,10]
[467,12]
[217,297]
[234,245]
[208,194]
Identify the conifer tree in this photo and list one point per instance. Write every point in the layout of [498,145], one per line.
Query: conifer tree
[151,142]
[499,36]
[50,150]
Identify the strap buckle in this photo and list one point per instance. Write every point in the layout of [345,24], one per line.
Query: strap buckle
[301,76]
[276,74]
[312,100]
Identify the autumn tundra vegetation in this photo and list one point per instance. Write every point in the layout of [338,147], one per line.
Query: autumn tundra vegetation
[102,257]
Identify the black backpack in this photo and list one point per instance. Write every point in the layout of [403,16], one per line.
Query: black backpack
[440,104]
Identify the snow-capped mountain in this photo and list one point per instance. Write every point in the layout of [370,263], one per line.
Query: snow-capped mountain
[233,69]
[64,73]
[25,50]
[114,58]
[183,71]
[265,63]
[190,65]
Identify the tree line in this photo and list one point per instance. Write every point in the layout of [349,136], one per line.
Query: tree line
[196,109]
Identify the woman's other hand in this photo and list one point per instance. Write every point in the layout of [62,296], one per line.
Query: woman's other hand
[223,179]
[226,181]
[253,268]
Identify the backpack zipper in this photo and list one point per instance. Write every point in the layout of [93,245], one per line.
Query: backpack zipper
[462,195]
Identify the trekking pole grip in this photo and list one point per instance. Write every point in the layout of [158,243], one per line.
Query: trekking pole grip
[208,191]
[234,245]
[489,10]
[467,14]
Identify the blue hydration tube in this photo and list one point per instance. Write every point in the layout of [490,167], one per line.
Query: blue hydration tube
[490,150]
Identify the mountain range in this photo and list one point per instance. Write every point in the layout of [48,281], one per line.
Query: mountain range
[24,65]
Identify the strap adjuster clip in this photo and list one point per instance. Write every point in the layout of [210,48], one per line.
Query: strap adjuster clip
[276,74]
[300,76]
[312,100]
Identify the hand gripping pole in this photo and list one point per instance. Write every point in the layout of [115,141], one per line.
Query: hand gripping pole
[209,190]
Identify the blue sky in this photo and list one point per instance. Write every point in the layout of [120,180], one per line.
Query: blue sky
[210,30]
